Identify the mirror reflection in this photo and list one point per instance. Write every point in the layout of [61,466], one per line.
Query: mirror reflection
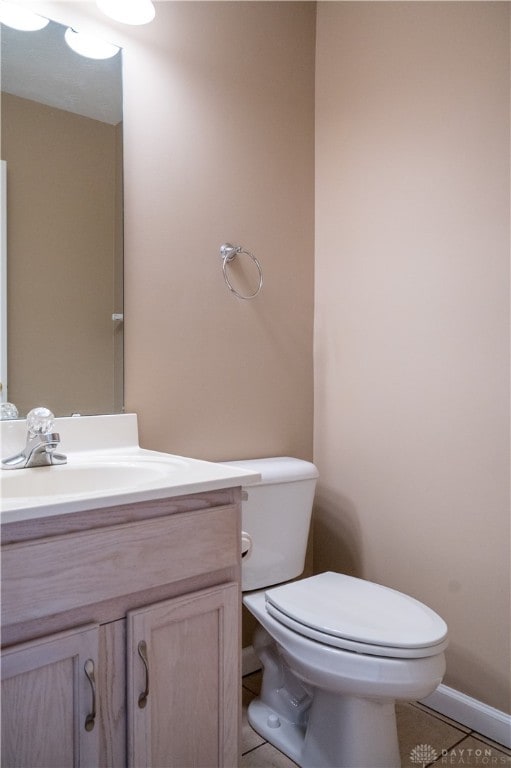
[61,120]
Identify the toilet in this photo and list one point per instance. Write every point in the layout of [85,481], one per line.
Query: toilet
[337,652]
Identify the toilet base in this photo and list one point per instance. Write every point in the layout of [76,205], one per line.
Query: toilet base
[318,728]
[341,732]
[286,736]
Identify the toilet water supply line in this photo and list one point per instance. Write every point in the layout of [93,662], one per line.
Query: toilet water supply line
[229,252]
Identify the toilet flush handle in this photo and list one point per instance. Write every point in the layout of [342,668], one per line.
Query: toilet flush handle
[246,544]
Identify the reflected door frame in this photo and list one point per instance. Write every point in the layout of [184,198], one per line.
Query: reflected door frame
[3,282]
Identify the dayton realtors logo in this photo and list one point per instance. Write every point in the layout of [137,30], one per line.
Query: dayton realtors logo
[423,754]
[471,757]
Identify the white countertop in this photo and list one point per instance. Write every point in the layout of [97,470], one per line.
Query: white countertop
[94,445]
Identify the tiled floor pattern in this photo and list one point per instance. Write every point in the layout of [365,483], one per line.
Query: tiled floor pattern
[425,739]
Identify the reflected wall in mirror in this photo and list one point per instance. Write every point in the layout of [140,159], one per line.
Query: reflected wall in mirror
[62,142]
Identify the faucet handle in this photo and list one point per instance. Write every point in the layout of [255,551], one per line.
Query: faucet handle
[8,411]
[40,421]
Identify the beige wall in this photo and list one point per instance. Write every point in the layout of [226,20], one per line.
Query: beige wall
[219,122]
[60,245]
[412,314]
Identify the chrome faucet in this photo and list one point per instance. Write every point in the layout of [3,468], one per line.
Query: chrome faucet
[41,443]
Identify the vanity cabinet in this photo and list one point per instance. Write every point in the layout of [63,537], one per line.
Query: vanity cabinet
[121,636]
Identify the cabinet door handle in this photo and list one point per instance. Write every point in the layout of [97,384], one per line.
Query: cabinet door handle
[142,652]
[89,673]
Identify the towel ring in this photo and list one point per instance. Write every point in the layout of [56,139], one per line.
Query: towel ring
[229,252]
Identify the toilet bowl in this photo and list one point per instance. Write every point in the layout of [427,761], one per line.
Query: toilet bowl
[337,652]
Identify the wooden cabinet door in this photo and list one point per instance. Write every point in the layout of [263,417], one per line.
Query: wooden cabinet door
[184,655]
[48,701]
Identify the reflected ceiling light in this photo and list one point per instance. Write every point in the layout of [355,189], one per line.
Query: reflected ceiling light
[20,18]
[89,46]
[128,11]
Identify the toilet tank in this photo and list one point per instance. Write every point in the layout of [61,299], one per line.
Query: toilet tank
[276,513]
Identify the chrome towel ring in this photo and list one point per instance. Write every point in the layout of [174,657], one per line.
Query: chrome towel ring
[229,252]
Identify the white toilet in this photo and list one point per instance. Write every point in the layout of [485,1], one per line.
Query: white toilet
[336,651]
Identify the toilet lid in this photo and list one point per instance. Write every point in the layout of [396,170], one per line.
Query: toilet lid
[358,615]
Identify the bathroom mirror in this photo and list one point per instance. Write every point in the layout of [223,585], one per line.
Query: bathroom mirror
[61,121]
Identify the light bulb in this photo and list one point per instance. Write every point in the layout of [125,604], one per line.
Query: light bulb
[128,11]
[20,18]
[89,45]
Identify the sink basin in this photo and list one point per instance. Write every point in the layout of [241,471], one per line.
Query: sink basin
[86,478]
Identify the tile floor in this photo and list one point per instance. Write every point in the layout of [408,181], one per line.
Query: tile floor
[454,744]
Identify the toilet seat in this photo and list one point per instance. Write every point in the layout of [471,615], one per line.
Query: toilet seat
[357,615]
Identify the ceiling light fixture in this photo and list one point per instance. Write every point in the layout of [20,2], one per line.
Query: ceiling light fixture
[128,11]
[20,18]
[89,46]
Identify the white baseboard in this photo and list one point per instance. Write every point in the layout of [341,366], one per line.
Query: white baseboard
[249,661]
[472,713]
